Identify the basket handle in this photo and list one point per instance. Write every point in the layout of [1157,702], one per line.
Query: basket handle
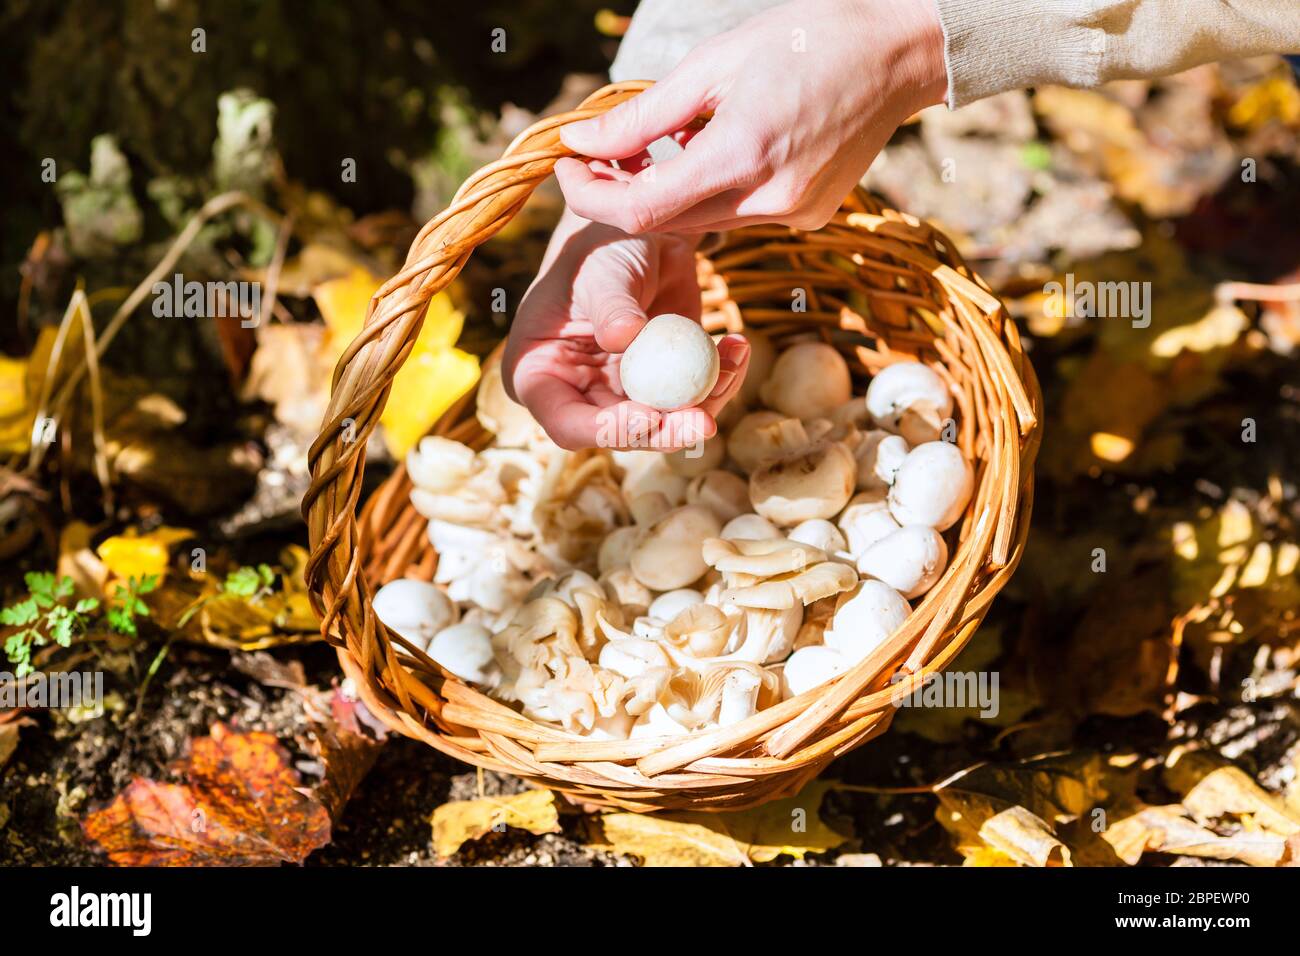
[483,205]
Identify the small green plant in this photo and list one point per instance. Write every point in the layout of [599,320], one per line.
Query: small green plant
[126,604]
[250,582]
[42,617]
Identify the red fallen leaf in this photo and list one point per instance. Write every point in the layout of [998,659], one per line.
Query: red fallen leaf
[240,807]
[345,751]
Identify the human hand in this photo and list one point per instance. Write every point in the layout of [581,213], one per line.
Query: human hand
[803,97]
[595,291]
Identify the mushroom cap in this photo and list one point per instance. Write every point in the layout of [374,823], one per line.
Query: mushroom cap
[815,483]
[465,650]
[890,452]
[865,521]
[616,549]
[672,363]
[762,356]
[724,493]
[749,527]
[810,667]
[671,603]
[417,610]
[796,588]
[932,486]
[864,619]
[904,385]
[809,380]
[697,458]
[668,555]
[747,443]
[511,423]
[910,560]
[651,474]
[819,533]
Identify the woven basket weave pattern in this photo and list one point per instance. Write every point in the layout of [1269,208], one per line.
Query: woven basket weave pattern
[879,285]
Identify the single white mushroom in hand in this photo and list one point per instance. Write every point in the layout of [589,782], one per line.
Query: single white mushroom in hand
[466,650]
[932,486]
[809,380]
[910,560]
[864,619]
[672,363]
[417,610]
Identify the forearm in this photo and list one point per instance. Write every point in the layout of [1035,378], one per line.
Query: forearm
[995,45]
[991,47]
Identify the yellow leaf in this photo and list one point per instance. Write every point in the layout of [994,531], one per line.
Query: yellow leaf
[457,822]
[435,373]
[1218,329]
[790,827]
[1024,838]
[1108,447]
[133,555]
[15,412]
[1228,792]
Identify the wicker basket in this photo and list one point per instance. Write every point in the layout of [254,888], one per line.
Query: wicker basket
[880,286]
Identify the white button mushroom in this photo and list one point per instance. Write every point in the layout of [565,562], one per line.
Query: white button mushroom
[864,619]
[819,533]
[814,483]
[671,364]
[749,527]
[417,610]
[865,521]
[762,356]
[668,556]
[466,651]
[810,667]
[907,385]
[748,445]
[910,560]
[724,493]
[695,459]
[809,380]
[932,486]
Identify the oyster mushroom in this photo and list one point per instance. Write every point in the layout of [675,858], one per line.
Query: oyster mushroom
[466,650]
[616,549]
[815,482]
[932,486]
[653,474]
[799,588]
[672,363]
[864,619]
[510,422]
[808,380]
[910,560]
[724,493]
[623,588]
[414,609]
[909,387]
[668,555]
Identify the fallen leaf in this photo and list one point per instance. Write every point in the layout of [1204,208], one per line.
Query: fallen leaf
[241,806]
[1168,829]
[135,555]
[1024,838]
[1228,792]
[789,827]
[460,821]
[435,373]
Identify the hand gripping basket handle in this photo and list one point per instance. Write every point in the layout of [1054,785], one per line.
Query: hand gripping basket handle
[486,202]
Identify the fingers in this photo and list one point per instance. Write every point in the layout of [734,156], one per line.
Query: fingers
[657,194]
[733,355]
[616,315]
[632,126]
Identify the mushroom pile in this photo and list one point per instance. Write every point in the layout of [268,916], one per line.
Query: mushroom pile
[621,594]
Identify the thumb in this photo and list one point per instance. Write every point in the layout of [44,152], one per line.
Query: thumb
[616,316]
[632,126]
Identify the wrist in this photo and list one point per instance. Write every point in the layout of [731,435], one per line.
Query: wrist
[909,36]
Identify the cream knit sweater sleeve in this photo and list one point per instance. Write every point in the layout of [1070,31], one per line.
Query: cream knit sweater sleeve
[995,45]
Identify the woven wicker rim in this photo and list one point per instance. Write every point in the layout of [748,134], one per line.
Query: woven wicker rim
[923,303]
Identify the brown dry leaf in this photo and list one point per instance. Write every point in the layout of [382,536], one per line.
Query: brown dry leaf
[1024,838]
[457,822]
[1228,792]
[1063,792]
[346,753]
[9,738]
[241,806]
[789,827]
[1168,829]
